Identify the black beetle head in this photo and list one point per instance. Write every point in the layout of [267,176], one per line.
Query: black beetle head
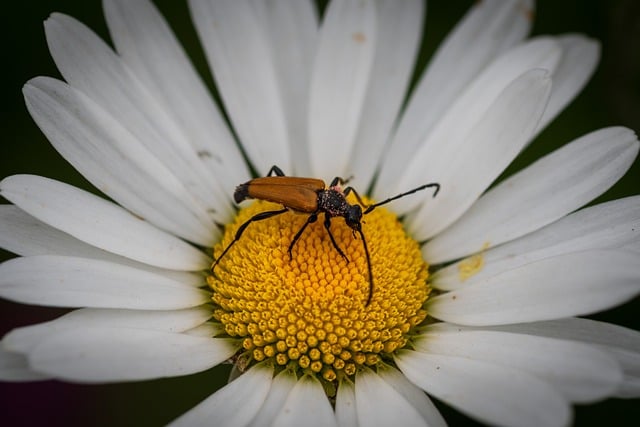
[353,217]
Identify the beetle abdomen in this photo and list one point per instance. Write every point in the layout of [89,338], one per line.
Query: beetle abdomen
[241,193]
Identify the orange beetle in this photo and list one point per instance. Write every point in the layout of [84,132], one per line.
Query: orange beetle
[312,196]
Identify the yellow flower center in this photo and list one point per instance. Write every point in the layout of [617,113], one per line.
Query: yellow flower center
[309,313]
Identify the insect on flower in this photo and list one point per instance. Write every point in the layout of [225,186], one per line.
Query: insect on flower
[312,196]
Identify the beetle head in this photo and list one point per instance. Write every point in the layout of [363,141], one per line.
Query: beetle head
[353,217]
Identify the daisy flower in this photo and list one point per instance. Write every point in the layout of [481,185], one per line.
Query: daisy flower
[476,292]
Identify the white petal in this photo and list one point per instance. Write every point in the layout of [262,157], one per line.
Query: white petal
[622,343]
[15,368]
[379,404]
[341,74]
[208,329]
[281,386]
[545,191]
[292,30]
[467,165]
[630,388]
[235,404]
[99,222]
[149,48]
[346,413]
[104,354]
[582,373]
[413,395]
[112,159]
[489,28]
[490,393]
[24,339]
[398,30]
[580,57]
[458,121]
[609,225]
[308,404]
[237,49]
[24,235]
[89,65]
[60,281]
[562,286]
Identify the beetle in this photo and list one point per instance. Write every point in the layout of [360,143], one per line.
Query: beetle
[311,196]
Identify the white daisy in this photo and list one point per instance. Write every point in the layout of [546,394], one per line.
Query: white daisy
[474,292]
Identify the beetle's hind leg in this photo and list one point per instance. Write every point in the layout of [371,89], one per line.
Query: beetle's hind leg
[257,217]
[312,218]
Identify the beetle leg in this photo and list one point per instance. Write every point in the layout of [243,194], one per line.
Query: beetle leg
[337,180]
[275,170]
[257,217]
[312,218]
[349,190]
[327,225]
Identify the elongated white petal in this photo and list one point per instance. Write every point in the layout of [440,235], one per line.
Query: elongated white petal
[486,30]
[466,166]
[609,225]
[341,73]
[622,343]
[60,281]
[149,48]
[209,329]
[112,159]
[103,354]
[15,368]
[24,339]
[239,54]
[545,191]
[630,388]
[99,222]
[466,113]
[346,413]
[582,373]
[292,30]
[306,401]
[88,64]
[379,404]
[281,386]
[235,404]
[24,235]
[562,286]
[413,395]
[580,57]
[398,30]
[490,393]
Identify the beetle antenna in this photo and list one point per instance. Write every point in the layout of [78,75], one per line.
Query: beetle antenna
[366,253]
[391,199]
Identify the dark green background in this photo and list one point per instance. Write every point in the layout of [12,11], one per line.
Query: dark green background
[612,98]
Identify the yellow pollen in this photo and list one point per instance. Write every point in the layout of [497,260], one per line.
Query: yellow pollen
[309,312]
[472,265]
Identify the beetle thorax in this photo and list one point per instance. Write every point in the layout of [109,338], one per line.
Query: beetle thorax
[332,202]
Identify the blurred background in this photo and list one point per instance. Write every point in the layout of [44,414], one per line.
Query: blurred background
[611,98]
